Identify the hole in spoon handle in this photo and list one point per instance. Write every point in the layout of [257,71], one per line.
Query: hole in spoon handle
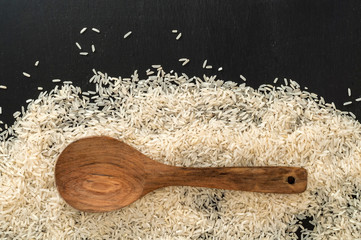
[291,180]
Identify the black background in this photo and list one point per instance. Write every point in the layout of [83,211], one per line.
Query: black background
[316,43]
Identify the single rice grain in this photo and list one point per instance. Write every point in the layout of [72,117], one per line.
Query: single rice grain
[96,30]
[26,74]
[78,45]
[83,30]
[242,77]
[127,34]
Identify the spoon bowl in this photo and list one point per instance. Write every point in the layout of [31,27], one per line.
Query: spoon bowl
[100,174]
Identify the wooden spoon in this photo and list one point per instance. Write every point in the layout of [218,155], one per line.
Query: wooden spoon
[99,174]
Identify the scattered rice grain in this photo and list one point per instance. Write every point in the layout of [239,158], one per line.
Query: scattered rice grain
[96,30]
[83,30]
[242,77]
[184,60]
[127,34]
[78,45]
[352,115]
[204,63]
[26,74]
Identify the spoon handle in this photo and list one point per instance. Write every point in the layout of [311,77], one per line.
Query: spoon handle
[253,179]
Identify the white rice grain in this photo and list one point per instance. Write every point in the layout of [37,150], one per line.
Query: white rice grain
[352,115]
[204,64]
[127,34]
[78,45]
[36,63]
[178,36]
[96,30]
[26,74]
[83,30]
[16,114]
[184,61]
[242,77]
[84,53]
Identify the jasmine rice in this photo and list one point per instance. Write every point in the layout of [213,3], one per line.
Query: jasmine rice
[193,123]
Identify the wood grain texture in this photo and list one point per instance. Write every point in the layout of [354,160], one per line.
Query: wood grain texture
[253,179]
[99,174]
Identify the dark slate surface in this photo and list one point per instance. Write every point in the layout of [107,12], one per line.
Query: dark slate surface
[316,43]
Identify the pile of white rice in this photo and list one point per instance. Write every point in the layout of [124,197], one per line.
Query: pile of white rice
[186,122]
